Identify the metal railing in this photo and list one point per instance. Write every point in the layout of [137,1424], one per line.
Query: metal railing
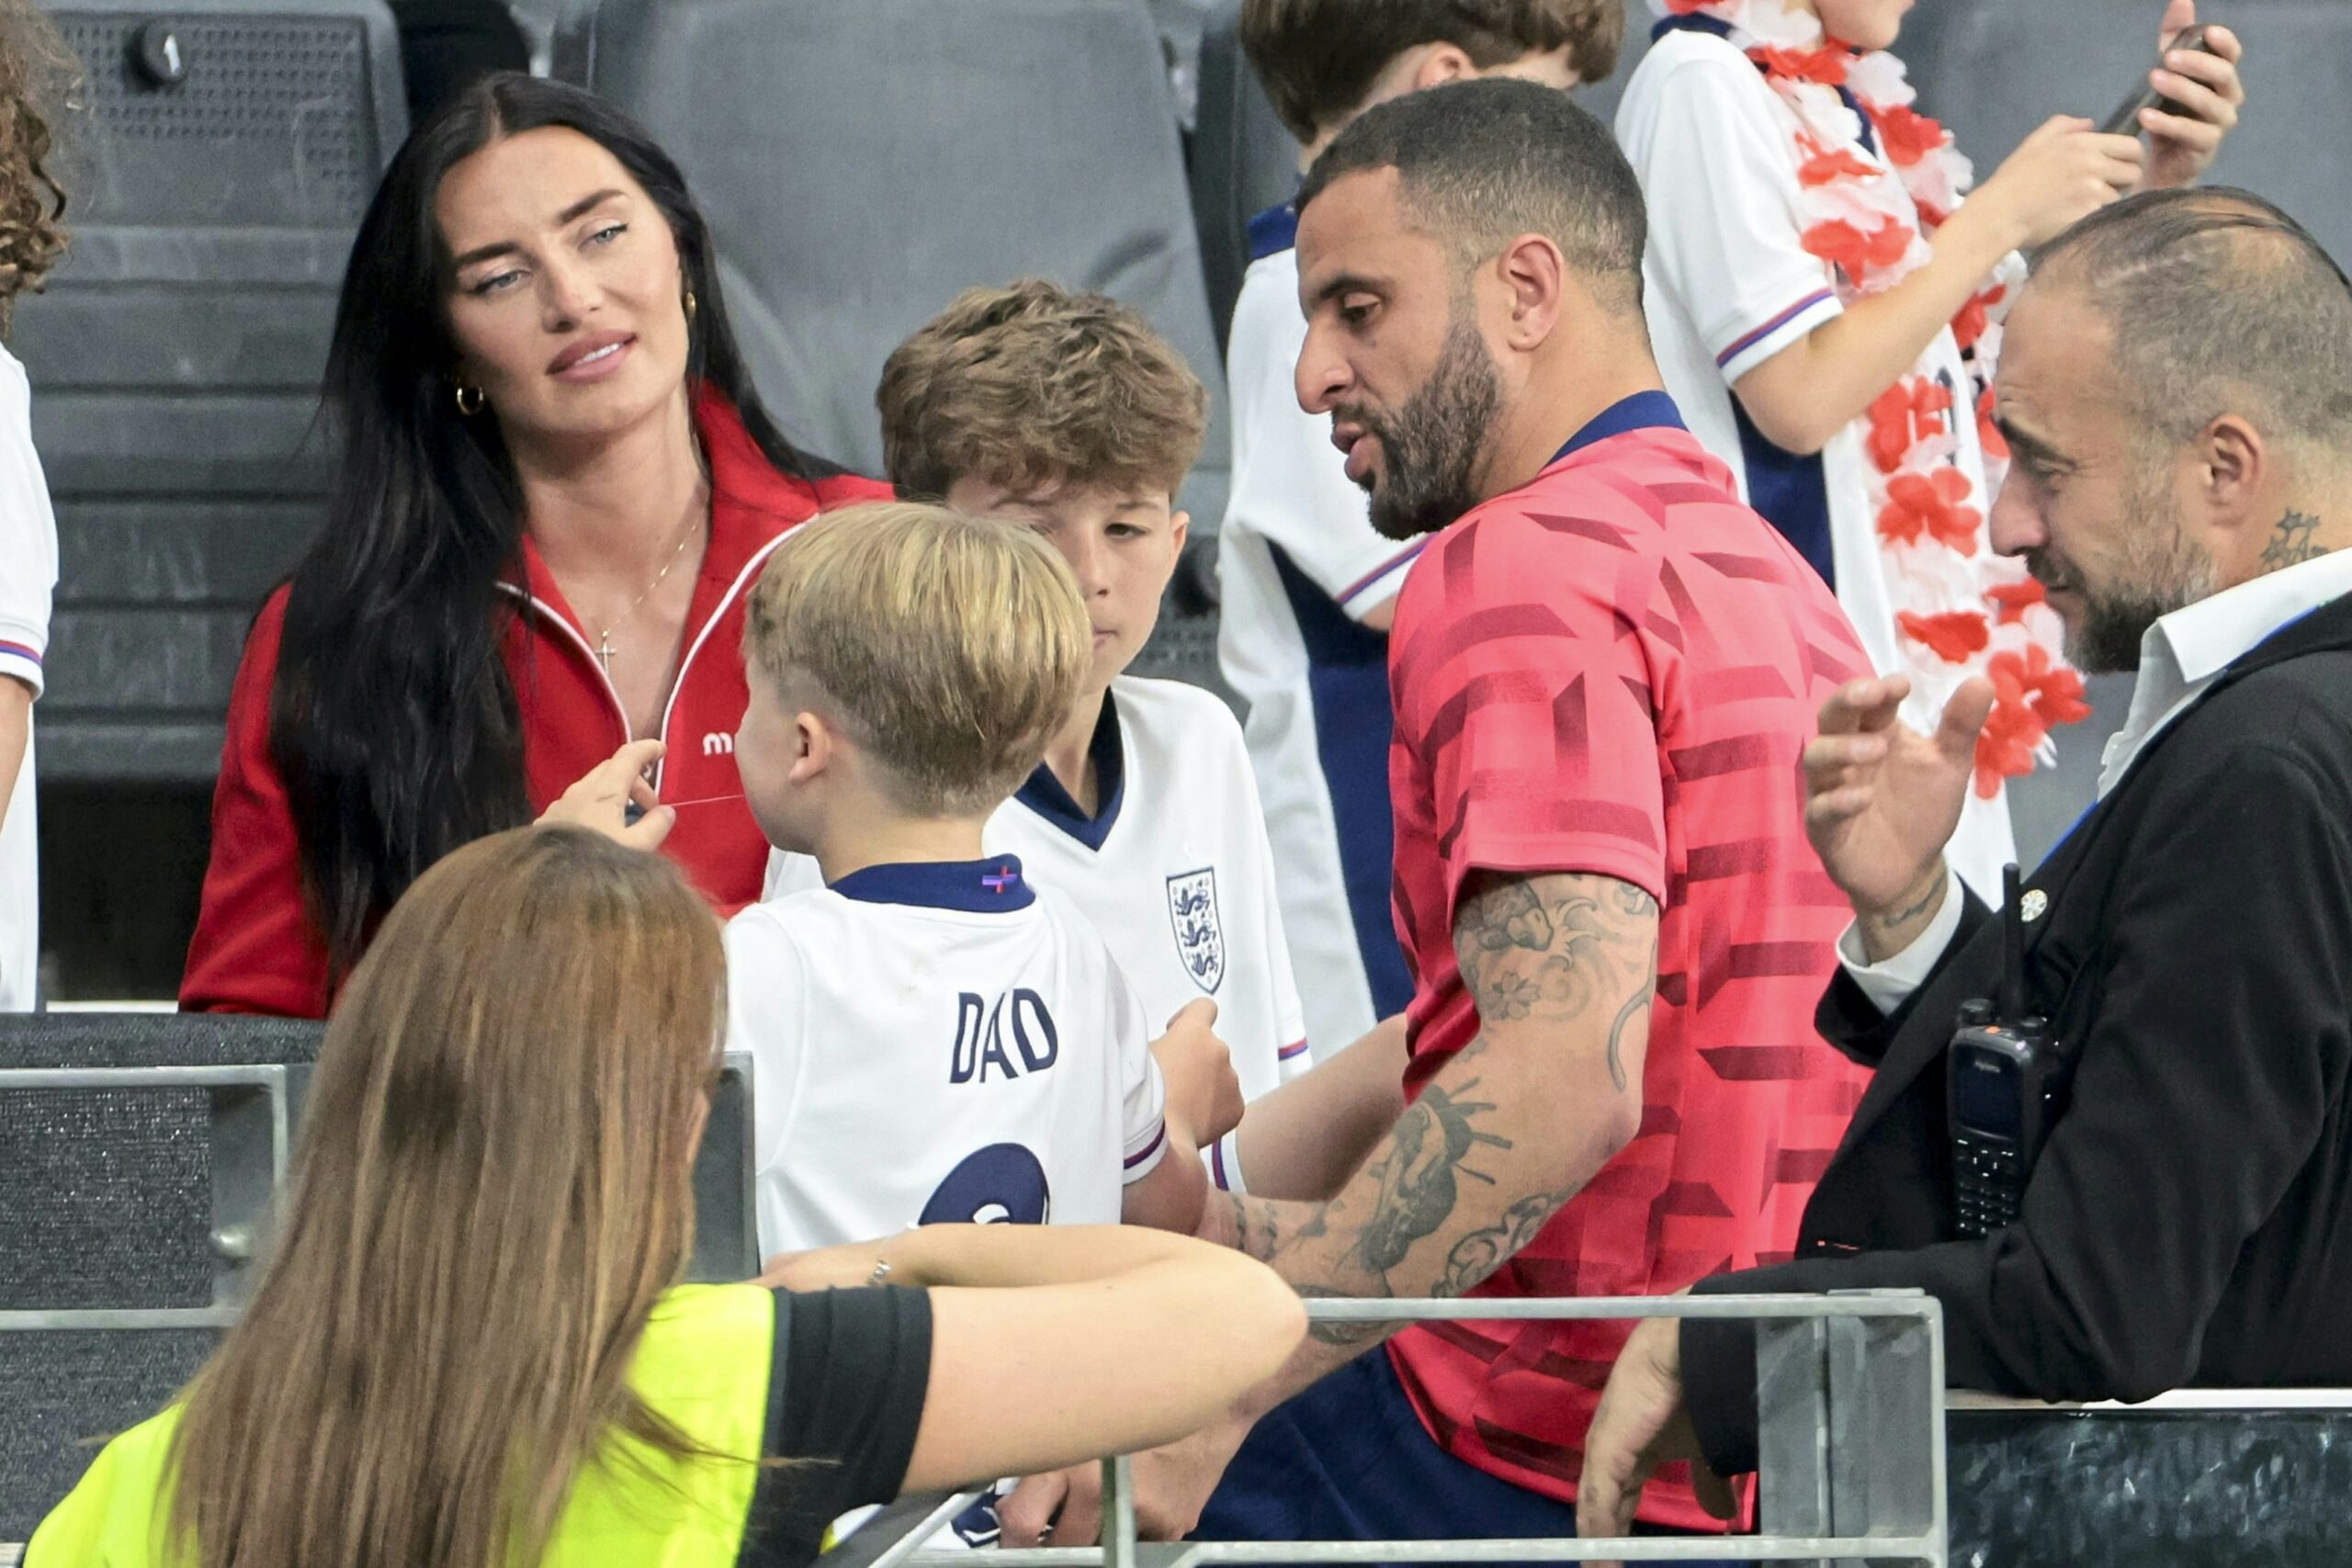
[1850,1425]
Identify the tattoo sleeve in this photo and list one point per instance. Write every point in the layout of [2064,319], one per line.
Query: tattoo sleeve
[1562,970]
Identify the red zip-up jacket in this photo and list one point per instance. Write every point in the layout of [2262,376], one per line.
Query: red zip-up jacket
[257,948]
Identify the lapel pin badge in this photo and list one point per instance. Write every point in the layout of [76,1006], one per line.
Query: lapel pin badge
[2033,905]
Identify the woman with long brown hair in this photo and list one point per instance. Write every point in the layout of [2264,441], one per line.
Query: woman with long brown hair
[472,1350]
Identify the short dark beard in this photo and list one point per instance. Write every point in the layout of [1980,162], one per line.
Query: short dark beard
[1433,449]
[2115,620]
[2114,626]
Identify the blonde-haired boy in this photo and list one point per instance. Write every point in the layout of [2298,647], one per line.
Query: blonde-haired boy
[934,1039]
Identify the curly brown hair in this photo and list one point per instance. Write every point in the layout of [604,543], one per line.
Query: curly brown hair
[1034,384]
[37,74]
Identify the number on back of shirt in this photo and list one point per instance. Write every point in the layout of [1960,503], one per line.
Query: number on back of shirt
[1002,1184]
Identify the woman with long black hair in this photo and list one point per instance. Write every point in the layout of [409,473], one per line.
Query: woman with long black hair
[556,484]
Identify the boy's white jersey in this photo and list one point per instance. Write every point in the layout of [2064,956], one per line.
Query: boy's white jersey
[1299,566]
[1173,870]
[937,1044]
[27,577]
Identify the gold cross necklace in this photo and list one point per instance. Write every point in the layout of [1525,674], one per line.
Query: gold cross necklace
[605,650]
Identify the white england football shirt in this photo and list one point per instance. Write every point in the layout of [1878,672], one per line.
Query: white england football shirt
[937,1044]
[1727,284]
[1173,871]
[1300,565]
[27,577]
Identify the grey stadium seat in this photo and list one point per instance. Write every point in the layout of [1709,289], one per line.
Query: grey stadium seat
[175,359]
[1244,160]
[141,1151]
[861,164]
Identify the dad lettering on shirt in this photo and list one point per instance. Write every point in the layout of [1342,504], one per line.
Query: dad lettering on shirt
[982,1026]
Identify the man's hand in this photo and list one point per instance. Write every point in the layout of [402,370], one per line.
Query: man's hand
[601,799]
[2207,91]
[1641,1425]
[1203,1091]
[1882,800]
[1173,1486]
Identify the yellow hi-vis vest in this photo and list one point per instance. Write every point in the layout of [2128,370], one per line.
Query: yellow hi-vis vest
[703,1363]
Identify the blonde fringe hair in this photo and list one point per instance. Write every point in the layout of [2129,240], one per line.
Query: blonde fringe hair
[494,1188]
[38,76]
[1032,384]
[948,647]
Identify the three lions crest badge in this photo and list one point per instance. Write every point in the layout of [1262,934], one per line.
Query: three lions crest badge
[1200,935]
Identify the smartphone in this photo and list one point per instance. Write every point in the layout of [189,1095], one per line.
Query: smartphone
[2125,120]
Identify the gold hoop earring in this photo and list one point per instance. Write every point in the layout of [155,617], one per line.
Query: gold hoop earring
[470,401]
[690,304]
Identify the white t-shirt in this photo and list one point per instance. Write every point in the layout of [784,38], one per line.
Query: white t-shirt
[937,1044]
[1300,565]
[1728,284]
[27,577]
[1173,872]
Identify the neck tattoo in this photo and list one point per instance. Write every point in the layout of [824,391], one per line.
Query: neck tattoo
[2291,543]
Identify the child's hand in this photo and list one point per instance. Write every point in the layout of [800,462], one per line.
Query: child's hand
[600,800]
[2206,89]
[1203,1091]
[2059,175]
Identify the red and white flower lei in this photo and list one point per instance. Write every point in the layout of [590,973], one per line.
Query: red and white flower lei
[1960,609]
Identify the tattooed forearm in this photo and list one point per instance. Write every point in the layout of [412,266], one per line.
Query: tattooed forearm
[1341,1335]
[1257,1230]
[1487,1248]
[1562,968]
[1418,1173]
[2292,542]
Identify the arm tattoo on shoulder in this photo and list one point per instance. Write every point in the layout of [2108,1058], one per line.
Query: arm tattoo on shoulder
[2290,542]
[1522,958]
[1636,1006]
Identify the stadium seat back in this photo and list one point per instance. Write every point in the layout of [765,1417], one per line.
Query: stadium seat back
[215,179]
[143,1152]
[1244,160]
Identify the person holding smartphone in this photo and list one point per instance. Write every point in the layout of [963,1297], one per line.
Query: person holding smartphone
[1825,296]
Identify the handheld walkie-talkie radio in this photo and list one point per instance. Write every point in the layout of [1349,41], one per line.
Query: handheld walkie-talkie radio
[2004,1087]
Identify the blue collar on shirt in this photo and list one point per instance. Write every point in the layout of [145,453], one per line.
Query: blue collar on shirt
[1642,411]
[977,887]
[1044,796]
[1722,29]
[1273,230]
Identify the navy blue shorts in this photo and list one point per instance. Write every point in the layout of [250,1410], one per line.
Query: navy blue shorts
[1348,1460]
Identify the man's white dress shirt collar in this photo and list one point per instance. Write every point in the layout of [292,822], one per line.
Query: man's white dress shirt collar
[2181,655]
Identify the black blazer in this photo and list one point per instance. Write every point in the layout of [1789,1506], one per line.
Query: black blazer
[2190,1219]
